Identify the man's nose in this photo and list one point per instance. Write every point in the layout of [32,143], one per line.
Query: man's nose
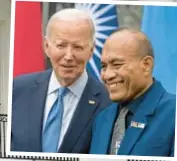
[68,53]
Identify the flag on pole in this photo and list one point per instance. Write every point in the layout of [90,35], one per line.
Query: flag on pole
[160,25]
[28,53]
[105,21]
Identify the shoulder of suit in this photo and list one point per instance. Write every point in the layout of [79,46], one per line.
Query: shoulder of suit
[167,105]
[98,87]
[165,97]
[110,110]
[27,79]
[168,99]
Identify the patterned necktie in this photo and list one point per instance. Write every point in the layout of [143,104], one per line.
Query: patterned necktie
[118,132]
[51,133]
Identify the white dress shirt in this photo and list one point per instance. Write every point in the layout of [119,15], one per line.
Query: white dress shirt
[70,100]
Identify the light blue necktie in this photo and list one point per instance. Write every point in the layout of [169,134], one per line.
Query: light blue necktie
[51,133]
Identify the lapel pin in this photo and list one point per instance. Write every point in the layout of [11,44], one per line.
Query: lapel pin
[91,102]
[141,125]
[134,124]
[137,124]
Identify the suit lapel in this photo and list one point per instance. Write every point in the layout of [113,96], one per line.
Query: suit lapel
[132,135]
[146,109]
[36,104]
[81,117]
[104,132]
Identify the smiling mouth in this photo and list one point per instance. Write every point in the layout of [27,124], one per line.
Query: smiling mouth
[115,85]
[67,66]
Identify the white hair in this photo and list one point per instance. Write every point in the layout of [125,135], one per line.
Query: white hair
[72,14]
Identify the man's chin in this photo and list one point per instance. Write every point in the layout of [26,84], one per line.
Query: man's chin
[115,98]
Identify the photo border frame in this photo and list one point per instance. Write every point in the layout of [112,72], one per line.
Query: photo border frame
[10,82]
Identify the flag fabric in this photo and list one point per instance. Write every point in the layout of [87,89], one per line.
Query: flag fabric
[160,25]
[105,21]
[28,53]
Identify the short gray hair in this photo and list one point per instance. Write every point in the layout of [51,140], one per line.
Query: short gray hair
[72,14]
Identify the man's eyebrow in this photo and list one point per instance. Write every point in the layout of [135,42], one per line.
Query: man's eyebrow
[113,60]
[117,60]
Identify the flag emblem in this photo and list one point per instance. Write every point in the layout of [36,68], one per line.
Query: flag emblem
[105,20]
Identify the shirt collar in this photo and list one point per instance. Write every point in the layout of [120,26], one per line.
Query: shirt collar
[76,88]
[53,83]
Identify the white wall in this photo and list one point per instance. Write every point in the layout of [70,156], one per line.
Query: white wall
[4,52]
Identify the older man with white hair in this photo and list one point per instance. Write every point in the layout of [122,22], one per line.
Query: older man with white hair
[53,111]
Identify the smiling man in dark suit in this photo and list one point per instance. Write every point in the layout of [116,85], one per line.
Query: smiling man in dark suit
[142,121]
[43,119]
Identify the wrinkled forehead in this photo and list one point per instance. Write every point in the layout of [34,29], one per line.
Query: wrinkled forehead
[79,23]
[74,28]
[70,23]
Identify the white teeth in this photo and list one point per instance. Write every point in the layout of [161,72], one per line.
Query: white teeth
[113,85]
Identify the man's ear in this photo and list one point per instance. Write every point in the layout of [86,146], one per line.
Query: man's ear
[147,64]
[93,46]
[92,49]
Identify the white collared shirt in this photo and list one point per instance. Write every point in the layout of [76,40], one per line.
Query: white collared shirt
[71,100]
